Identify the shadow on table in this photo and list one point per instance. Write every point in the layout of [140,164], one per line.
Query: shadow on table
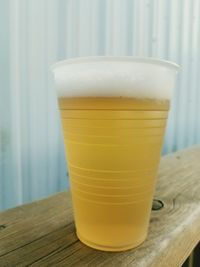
[194,259]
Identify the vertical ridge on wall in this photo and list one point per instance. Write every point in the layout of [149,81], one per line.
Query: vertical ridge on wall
[15,101]
[192,80]
[101,27]
[172,55]
[53,133]
[40,32]
[196,55]
[5,146]
[178,91]
[37,124]
[183,97]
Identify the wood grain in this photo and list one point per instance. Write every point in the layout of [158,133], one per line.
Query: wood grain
[42,233]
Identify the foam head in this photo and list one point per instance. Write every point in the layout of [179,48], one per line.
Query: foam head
[115,77]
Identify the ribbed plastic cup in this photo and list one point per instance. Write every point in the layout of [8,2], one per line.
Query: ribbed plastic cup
[113,112]
[113,157]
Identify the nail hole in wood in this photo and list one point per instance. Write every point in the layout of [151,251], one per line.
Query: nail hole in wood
[157,204]
[2,227]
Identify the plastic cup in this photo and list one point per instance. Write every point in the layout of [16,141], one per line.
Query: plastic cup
[113,147]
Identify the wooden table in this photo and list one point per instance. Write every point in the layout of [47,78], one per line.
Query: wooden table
[42,233]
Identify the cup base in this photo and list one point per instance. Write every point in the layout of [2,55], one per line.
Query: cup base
[108,248]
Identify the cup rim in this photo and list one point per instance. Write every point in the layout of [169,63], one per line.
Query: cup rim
[148,60]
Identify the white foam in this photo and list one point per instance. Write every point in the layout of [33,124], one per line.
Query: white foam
[109,76]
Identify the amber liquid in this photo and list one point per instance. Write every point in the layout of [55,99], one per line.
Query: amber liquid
[113,150]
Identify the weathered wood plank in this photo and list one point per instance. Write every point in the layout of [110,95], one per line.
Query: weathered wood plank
[42,233]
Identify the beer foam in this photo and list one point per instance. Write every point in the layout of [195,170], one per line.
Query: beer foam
[115,77]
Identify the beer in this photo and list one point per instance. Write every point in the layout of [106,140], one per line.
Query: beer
[113,146]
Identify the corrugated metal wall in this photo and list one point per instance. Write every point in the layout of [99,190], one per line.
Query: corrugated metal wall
[36,33]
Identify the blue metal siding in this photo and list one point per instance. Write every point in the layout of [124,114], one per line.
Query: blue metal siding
[36,33]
